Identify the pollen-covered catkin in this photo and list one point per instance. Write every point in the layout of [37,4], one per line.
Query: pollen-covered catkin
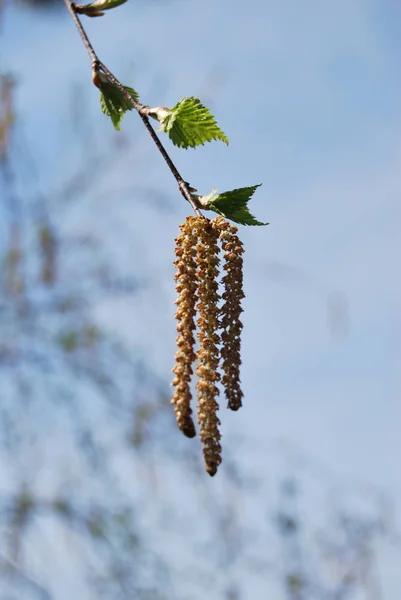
[218,327]
[207,274]
[186,287]
[230,312]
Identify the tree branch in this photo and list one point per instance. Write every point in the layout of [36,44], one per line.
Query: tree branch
[183,186]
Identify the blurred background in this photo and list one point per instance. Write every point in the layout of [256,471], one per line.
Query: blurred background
[100,494]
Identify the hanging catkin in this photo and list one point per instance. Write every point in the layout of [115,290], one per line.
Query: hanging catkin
[218,328]
[230,313]
[207,251]
[185,315]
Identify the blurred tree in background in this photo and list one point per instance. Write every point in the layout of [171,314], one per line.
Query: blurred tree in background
[99,495]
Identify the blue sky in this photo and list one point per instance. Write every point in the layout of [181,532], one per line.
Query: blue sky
[309,95]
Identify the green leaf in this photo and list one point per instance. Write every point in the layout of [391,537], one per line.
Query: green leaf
[190,124]
[113,103]
[94,9]
[233,205]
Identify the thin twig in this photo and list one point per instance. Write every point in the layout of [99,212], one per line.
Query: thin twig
[97,64]
[71,9]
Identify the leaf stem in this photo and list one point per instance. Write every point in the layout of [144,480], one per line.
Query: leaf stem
[183,186]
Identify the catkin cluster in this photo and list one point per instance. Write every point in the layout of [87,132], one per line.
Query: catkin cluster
[208,327]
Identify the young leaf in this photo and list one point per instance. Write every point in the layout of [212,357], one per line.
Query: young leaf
[94,9]
[113,103]
[190,124]
[232,205]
